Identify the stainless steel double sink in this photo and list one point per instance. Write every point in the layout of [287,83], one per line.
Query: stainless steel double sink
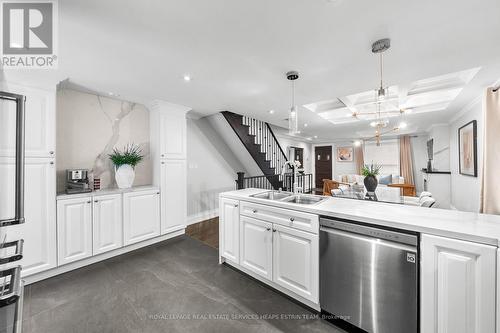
[301,199]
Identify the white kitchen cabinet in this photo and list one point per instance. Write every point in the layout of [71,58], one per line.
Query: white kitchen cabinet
[458,283]
[173,135]
[40,122]
[107,230]
[296,261]
[39,229]
[173,195]
[74,229]
[141,216]
[256,246]
[229,226]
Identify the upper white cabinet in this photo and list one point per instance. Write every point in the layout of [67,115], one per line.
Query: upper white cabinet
[296,261]
[107,227]
[256,246]
[74,229]
[39,229]
[141,216]
[174,201]
[229,226]
[457,286]
[40,122]
[168,130]
[173,135]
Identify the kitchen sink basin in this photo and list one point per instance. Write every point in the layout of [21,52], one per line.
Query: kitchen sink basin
[272,195]
[304,199]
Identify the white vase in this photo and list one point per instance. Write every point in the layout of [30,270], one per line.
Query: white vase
[124,176]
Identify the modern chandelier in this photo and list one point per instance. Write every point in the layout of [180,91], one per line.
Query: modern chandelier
[381,122]
[293,116]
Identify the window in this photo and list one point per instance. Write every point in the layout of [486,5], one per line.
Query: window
[386,155]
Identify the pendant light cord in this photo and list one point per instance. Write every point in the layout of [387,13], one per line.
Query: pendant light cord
[381,70]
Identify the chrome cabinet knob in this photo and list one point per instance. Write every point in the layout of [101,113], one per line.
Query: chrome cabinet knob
[268,229]
[51,152]
[236,205]
[292,219]
[96,200]
[89,201]
[274,230]
[254,211]
[51,162]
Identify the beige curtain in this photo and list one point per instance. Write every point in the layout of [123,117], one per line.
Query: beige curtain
[490,191]
[360,160]
[405,162]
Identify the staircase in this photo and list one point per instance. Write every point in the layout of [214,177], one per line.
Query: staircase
[258,138]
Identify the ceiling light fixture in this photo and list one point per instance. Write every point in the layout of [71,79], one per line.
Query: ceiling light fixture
[271,111]
[305,125]
[187,78]
[293,117]
[380,46]
[315,136]
[357,143]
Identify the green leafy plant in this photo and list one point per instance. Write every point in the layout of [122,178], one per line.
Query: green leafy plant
[370,170]
[131,154]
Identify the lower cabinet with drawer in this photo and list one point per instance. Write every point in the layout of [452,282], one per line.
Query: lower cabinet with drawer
[275,250]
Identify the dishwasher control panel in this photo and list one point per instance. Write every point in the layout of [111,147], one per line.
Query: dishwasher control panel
[375,232]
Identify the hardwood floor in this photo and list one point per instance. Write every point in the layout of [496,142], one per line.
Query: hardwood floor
[206,231]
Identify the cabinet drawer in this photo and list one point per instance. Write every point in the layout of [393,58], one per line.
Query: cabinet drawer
[286,217]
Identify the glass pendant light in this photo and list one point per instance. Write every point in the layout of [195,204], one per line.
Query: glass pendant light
[293,117]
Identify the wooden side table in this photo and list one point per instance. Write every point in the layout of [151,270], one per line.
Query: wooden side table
[408,190]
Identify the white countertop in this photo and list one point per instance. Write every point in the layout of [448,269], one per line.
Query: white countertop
[106,191]
[475,227]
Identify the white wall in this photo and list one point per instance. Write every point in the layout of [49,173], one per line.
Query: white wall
[212,166]
[286,141]
[419,159]
[465,190]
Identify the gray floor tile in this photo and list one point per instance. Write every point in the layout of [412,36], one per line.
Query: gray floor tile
[175,286]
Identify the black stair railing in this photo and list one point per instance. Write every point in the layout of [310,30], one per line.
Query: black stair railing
[260,141]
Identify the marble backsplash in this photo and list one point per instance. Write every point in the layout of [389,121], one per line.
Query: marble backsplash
[90,126]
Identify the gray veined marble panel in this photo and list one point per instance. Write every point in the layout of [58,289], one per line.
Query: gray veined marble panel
[174,286]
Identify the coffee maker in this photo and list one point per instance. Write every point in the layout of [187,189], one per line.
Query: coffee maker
[77,181]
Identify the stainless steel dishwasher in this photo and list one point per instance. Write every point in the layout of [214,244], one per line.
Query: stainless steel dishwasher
[369,276]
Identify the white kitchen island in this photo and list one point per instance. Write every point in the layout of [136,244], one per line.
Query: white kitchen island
[277,243]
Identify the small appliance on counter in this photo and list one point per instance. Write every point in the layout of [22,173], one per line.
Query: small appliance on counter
[77,181]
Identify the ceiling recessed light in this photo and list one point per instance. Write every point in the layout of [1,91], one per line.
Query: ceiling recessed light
[305,125]
[187,78]
[315,136]
[402,125]
[112,94]
[298,132]
[357,143]
[271,111]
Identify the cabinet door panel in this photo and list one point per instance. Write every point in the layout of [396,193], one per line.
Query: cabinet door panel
[229,226]
[173,195]
[39,230]
[256,246]
[40,122]
[107,223]
[295,261]
[173,136]
[141,216]
[74,229]
[458,280]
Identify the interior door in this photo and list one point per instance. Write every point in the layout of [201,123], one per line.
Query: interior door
[323,164]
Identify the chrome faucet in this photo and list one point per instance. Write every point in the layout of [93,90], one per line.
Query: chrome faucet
[295,167]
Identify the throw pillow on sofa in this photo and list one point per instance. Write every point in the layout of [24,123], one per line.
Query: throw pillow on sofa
[385,179]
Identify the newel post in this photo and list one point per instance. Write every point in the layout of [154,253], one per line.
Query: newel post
[239,181]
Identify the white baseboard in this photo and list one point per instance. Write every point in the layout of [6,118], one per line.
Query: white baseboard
[91,260]
[202,216]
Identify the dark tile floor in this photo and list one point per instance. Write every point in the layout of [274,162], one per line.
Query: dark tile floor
[175,286]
